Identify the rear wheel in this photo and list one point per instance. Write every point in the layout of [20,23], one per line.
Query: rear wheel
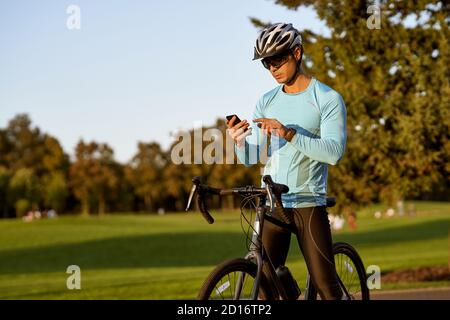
[351,274]
[234,280]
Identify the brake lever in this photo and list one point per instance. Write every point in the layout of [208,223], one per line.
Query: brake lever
[200,191]
[270,196]
[191,196]
[204,210]
[268,180]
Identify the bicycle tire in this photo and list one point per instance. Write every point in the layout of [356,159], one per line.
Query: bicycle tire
[342,248]
[223,270]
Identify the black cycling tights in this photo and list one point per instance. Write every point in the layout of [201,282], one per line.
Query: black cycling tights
[314,239]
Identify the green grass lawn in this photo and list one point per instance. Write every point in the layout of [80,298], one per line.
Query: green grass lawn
[167,257]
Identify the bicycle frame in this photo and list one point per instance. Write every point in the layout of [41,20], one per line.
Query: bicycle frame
[271,192]
[257,253]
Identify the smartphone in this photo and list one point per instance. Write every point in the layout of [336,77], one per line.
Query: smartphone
[236,121]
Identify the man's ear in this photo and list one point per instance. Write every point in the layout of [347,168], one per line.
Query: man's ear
[298,53]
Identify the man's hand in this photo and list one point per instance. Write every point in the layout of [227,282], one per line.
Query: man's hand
[237,131]
[270,126]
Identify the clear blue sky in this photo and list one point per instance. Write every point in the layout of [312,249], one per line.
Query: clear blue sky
[137,70]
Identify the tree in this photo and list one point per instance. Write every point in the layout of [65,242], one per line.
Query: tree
[146,173]
[25,147]
[212,167]
[24,190]
[56,191]
[5,177]
[93,175]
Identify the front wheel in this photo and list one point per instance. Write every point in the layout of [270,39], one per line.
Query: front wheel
[351,274]
[234,280]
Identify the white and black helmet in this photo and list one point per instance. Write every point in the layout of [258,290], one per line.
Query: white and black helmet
[275,39]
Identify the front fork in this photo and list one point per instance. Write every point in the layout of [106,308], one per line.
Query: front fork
[253,254]
[255,249]
[256,254]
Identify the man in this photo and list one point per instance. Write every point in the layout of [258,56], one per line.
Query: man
[306,123]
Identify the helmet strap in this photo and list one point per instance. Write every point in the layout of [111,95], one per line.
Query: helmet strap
[298,69]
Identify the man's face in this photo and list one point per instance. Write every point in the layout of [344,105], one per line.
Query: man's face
[283,66]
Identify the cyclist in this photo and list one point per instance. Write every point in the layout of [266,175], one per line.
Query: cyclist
[305,123]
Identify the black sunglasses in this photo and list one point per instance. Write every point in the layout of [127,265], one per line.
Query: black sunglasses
[277,60]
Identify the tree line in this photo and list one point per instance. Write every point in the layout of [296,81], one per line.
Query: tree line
[36,174]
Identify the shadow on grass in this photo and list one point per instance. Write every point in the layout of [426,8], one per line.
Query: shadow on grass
[180,249]
[143,251]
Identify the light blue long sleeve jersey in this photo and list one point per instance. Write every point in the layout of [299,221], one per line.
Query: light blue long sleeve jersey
[319,115]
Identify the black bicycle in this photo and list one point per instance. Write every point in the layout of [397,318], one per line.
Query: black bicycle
[254,276]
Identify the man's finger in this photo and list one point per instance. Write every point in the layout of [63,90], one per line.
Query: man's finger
[233,134]
[240,124]
[237,133]
[231,122]
[260,119]
[246,133]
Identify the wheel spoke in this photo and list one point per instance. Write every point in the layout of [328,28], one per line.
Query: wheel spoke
[352,277]
[245,282]
[217,290]
[348,272]
[231,290]
[235,285]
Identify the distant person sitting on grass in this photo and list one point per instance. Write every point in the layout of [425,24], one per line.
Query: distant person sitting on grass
[352,220]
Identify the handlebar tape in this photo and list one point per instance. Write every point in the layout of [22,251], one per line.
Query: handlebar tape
[202,206]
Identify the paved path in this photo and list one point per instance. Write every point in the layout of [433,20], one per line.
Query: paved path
[412,294]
